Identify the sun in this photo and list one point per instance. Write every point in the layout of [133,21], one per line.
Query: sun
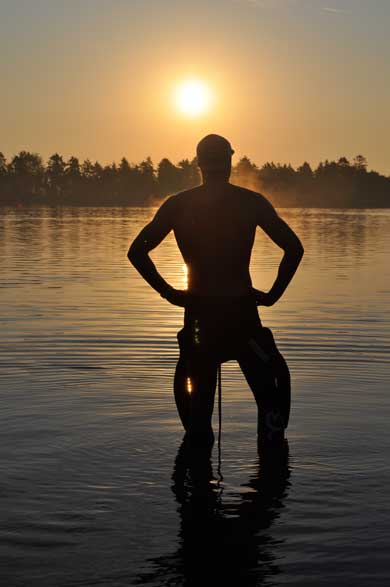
[193,97]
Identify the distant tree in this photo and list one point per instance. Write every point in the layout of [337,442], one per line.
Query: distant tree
[304,182]
[267,173]
[55,176]
[174,178]
[87,170]
[360,163]
[26,163]
[97,171]
[148,179]
[189,173]
[3,165]
[147,168]
[72,181]
[244,167]
[305,171]
[72,169]
[343,162]
[246,173]
[121,181]
[3,179]
[110,187]
[124,167]
[27,173]
[332,184]
[168,177]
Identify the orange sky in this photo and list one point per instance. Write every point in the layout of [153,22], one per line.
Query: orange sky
[293,80]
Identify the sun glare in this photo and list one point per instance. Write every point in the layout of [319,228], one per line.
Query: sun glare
[193,97]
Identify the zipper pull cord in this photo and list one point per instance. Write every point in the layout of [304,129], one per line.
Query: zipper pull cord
[219,422]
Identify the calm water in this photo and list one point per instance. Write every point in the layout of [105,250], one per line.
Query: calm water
[94,488]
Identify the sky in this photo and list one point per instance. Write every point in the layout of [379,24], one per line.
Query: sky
[292,80]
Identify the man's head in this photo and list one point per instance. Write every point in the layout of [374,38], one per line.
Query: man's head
[214,155]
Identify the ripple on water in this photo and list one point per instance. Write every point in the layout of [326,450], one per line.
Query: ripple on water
[95,489]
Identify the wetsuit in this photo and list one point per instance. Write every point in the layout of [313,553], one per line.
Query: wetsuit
[214,226]
[219,329]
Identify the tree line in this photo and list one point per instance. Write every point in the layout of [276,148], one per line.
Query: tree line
[26,179]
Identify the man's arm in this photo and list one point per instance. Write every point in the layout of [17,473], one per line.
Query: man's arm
[149,237]
[279,231]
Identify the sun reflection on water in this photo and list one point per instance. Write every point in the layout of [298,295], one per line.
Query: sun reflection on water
[185,276]
[189,385]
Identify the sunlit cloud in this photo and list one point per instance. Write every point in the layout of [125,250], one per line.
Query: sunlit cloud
[270,3]
[256,3]
[333,10]
[278,4]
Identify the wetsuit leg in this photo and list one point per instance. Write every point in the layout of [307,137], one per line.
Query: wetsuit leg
[181,392]
[194,389]
[261,380]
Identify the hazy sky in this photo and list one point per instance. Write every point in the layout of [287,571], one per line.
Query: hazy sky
[293,80]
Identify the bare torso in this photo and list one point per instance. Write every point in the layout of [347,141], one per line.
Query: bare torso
[215,227]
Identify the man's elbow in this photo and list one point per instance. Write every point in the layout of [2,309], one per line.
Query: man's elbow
[133,254]
[299,250]
[295,250]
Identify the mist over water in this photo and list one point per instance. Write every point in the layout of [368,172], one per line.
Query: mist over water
[94,487]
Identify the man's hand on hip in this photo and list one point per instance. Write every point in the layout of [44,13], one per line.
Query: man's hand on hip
[263,298]
[176,297]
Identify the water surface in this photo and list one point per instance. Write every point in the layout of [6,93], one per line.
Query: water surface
[94,487]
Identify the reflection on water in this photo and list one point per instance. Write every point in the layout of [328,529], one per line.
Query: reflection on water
[223,543]
[89,429]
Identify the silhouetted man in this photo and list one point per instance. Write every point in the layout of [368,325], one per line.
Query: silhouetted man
[214,225]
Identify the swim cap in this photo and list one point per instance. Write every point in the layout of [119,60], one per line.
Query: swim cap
[213,151]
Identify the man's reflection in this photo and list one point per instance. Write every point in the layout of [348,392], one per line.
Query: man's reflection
[224,542]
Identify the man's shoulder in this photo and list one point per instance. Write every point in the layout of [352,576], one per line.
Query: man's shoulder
[175,199]
[185,194]
[256,198]
[172,207]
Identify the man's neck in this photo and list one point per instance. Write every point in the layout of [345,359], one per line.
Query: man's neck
[215,181]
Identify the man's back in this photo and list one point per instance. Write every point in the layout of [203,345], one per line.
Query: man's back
[215,227]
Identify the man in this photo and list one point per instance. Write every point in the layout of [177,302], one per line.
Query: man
[214,225]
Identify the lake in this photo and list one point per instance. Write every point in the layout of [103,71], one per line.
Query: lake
[95,488]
